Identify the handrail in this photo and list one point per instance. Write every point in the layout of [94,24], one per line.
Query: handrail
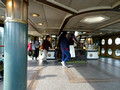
[1,46]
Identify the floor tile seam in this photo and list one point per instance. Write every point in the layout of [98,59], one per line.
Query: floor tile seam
[74,79]
[33,77]
[71,76]
[34,86]
[104,72]
[110,64]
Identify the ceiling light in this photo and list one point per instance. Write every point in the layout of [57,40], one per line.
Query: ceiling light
[95,19]
[10,3]
[3,17]
[76,33]
[84,32]
[53,36]
[40,24]
[82,39]
[79,33]
[35,15]
[89,39]
[101,33]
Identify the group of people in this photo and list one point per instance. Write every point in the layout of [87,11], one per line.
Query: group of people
[67,47]
[63,43]
[34,46]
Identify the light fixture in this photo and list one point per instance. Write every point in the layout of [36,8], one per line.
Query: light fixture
[76,33]
[16,11]
[10,3]
[101,33]
[40,24]
[35,15]
[3,17]
[94,19]
[82,39]
[84,32]
[89,39]
[53,36]
[79,33]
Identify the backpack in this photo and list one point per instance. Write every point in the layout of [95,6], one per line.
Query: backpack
[41,47]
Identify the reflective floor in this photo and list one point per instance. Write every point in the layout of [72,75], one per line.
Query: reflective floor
[102,74]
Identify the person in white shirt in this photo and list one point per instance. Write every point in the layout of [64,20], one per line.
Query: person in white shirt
[35,48]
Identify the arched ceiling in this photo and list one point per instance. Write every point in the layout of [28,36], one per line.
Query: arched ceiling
[75,22]
[76,10]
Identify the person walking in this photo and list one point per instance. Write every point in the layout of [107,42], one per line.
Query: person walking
[46,44]
[35,48]
[72,39]
[64,45]
[29,48]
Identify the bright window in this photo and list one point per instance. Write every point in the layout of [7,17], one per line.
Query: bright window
[109,52]
[117,52]
[103,42]
[117,41]
[109,41]
[103,50]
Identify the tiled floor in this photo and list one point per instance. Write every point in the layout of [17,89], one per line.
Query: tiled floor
[102,74]
[95,75]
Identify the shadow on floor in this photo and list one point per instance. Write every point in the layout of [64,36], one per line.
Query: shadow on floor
[46,76]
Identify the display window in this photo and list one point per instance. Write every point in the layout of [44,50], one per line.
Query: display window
[103,42]
[103,50]
[117,52]
[117,41]
[109,41]
[109,51]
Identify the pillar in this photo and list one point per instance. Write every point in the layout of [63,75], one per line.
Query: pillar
[16,33]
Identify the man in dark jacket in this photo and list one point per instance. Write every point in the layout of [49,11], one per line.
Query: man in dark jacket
[64,45]
[46,44]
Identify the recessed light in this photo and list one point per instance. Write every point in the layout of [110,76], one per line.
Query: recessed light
[94,19]
[35,15]
[40,24]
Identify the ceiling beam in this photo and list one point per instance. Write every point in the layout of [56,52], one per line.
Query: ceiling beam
[55,6]
[67,19]
[108,24]
[33,25]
